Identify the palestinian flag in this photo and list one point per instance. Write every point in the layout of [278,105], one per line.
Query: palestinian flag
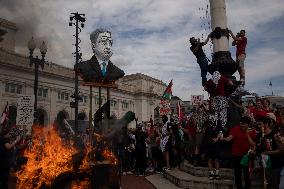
[168,92]
[180,113]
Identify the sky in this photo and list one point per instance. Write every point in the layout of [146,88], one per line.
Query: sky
[151,36]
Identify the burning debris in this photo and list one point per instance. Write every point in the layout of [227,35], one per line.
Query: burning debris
[52,163]
[58,162]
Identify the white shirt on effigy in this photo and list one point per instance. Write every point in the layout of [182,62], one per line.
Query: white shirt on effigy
[101,63]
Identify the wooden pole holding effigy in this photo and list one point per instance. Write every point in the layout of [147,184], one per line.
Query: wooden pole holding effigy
[99,85]
[91,136]
[108,99]
[100,97]
[91,116]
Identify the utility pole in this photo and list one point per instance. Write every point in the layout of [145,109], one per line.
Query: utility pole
[79,18]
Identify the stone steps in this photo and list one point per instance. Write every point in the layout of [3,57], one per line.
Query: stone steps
[159,182]
[185,180]
[203,171]
[191,177]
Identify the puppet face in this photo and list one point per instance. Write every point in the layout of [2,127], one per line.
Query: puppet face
[103,46]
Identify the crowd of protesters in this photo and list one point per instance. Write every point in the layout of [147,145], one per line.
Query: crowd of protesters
[254,142]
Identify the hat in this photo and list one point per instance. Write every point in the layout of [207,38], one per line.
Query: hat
[271,116]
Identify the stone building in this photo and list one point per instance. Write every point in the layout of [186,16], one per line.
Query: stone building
[137,92]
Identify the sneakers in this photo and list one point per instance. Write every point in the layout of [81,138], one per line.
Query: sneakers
[158,172]
[211,176]
[150,170]
[217,177]
[166,168]
[214,175]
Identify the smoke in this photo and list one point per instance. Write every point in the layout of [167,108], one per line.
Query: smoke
[26,14]
[43,21]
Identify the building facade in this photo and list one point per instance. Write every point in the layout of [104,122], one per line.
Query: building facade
[137,92]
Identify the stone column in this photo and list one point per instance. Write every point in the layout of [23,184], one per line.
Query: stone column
[221,60]
[219,19]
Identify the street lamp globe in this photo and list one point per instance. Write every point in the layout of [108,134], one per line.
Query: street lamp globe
[31,44]
[43,48]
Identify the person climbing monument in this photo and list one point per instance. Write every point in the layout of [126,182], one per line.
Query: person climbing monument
[219,101]
[240,41]
[202,60]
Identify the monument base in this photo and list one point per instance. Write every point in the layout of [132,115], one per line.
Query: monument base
[223,62]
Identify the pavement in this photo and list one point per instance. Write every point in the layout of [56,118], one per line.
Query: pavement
[128,182]
[136,182]
[159,182]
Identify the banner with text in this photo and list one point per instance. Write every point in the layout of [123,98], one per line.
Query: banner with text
[165,108]
[25,110]
[197,100]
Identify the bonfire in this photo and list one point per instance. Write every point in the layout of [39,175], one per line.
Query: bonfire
[53,160]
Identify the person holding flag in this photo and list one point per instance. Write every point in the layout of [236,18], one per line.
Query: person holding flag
[165,111]
[165,100]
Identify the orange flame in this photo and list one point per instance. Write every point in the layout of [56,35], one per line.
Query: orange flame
[107,154]
[80,184]
[51,156]
[47,158]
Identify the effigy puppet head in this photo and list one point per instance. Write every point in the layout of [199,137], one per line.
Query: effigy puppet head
[101,43]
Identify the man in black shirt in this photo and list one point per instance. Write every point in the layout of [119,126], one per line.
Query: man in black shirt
[7,145]
[196,48]
[267,145]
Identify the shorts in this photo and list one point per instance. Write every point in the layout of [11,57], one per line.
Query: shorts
[198,139]
[213,150]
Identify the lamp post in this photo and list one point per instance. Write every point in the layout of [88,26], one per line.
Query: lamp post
[37,62]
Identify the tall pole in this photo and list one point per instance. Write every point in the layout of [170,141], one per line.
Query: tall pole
[91,117]
[221,60]
[36,86]
[76,79]
[219,19]
[79,18]
[108,99]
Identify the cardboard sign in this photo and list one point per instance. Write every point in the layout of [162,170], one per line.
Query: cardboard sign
[165,108]
[25,110]
[197,100]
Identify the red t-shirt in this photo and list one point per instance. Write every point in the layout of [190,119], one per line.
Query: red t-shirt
[241,46]
[258,114]
[219,90]
[240,141]
[190,128]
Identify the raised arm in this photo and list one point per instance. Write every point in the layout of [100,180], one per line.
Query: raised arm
[234,37]
[197,46]
[207,39]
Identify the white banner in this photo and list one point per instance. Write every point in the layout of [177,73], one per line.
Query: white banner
[197,100]
[25,110]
